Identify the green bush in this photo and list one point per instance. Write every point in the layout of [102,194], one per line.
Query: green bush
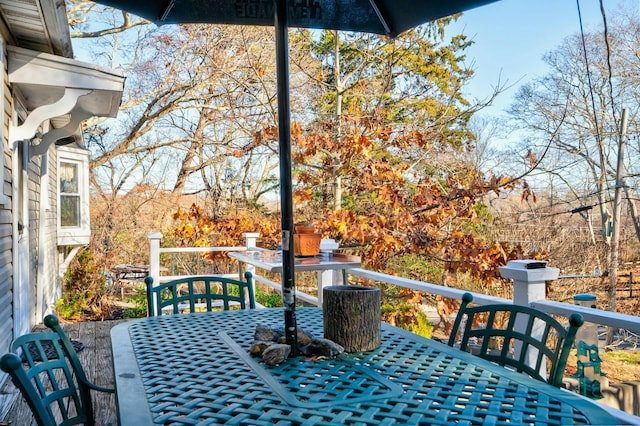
[269,299]
[140,302]
[421,325]
[83,289]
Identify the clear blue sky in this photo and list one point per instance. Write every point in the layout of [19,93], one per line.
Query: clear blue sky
[512,35]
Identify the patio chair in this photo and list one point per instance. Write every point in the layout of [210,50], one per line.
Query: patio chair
[490,332]
[200,293]
[45,367]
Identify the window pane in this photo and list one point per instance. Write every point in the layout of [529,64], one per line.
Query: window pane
[69,210]
[68,178]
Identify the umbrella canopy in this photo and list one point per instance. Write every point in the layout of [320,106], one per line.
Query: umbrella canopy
[390,17]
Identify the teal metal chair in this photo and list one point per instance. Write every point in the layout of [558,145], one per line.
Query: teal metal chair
[199,293]
[45,367]
[489,332]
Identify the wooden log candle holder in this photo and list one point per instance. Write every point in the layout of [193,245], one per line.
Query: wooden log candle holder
[352,317]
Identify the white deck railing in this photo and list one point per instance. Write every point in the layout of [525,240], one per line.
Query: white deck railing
[596,316]
[527,290]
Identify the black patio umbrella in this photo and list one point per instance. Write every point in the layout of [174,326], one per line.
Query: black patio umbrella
[389,17]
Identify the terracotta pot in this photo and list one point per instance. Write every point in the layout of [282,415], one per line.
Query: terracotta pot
[304,229]
[306,244]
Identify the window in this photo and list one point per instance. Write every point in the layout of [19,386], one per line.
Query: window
[69,195]
[73,196]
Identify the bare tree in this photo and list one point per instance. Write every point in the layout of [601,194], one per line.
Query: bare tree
[571,120]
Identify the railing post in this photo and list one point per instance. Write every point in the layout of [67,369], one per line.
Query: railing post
[154,256]
[529,279]
[529,285]
[328,277]
[251,241]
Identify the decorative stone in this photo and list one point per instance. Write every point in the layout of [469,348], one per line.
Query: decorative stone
[303,338]
[270,344]
[267,333]
[276,354]
[323,347]
[258,347]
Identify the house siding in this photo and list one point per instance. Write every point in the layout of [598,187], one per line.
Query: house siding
[43,278]
[43,266]
[45,286]
[33,190]
[48,273]
[6,228]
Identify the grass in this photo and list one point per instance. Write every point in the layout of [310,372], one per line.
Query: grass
[617,366]
[621,366]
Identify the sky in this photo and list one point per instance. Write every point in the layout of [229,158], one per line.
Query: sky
[511,36]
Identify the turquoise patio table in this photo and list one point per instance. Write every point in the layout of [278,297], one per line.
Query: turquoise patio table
[195,369]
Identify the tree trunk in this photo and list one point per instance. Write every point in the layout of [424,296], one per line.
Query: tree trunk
[352,317]
[617,223]
[633,211]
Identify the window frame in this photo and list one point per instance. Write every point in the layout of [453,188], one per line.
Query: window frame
[74,235]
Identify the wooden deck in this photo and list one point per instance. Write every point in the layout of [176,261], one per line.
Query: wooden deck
[96,360]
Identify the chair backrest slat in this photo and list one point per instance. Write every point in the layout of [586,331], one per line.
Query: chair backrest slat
[492,332]
[205,292]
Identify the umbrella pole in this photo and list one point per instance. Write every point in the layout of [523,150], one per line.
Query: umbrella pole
[286,185]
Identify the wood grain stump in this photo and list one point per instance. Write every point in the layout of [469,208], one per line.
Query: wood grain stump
[352,317]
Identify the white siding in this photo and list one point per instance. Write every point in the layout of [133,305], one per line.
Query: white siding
[33,186]
[48,272]
[6,242]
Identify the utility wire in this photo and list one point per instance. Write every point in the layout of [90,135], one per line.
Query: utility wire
[540,216]
[609,68]
[586,61]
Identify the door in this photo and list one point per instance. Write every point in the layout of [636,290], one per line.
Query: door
[22,291]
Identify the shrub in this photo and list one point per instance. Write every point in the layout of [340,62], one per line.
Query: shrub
[269,299]
[83,288]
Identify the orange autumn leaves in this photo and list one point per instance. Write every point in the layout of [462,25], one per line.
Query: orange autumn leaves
[196,229]
[402,194]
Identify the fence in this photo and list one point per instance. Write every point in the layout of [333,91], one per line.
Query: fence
[529,285]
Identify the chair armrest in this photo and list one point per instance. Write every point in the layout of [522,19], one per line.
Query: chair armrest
[98,388]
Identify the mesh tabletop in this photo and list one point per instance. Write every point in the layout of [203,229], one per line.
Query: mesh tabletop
[196,369]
